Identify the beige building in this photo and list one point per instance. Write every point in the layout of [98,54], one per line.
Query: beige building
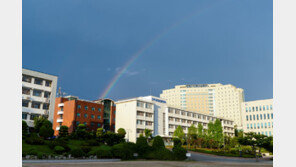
[212,99]
[258,116]
[149,112]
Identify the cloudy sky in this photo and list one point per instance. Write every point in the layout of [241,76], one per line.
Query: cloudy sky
[86,43]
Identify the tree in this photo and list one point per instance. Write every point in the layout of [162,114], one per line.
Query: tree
[64,131]
[25,128]
[179,133]
[192,134]
[158,143]
[200,130]
[46,132]
[121,131]
[253,139]
[218,133]
[148,134]
[38,122]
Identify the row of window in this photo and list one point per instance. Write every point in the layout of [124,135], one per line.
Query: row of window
[35,104]
[32,116]
[257,126]
[260,108]
[142,122]
[37,81]
[91,124]
[92,116]
[36,92]
[265,133]
[141,113]
[144,105]
[92,108]
[262,116]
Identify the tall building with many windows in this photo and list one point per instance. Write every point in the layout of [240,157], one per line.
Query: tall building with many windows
[38,95]
[258,116]
[212,99]
[71,111]
[149,112]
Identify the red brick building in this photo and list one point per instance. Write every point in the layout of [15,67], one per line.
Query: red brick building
[71,111]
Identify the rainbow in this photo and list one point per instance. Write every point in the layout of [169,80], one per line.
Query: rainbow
[150,43]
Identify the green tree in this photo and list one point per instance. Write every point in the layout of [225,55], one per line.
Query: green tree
[64,131]
[25,128]
[200,130]
[218,133]
[39,121]
[148,134]
[46,131]
[192,134]
[179,133]
[158,143]
[121,131]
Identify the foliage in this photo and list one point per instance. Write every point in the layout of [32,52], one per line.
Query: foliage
[81,133]
[179,153]
[34,140]
[148,134]
[192,134]
[77,152]
[160,154]
[46,131]
[64,131]
[112,138]
[158,143]
[59,149]
[142,146]
[121,131]
[177,142]
[58,142]
[104,152]
[25,128]
[124,151]
[38,122]
[179,133]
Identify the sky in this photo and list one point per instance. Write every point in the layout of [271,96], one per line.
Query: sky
[147,46]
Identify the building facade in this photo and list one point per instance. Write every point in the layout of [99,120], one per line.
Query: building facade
[258,116]
[71,111]
[149,112]
[211,99]
[38,95]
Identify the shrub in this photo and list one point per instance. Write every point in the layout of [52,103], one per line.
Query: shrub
[103,152]
[158,143]
[25,128]
[63,132]
[179,153]
[177,142]
[59,149]
[34,140]
[92,142]
[85,149]
[59,142]
[124,151]
[142,146]
[160,154]
[32,152]
[77,153]
[46,132]
[40,155]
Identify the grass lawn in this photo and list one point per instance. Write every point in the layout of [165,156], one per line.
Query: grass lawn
[39,148]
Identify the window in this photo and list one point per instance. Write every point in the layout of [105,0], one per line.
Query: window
[38,81]
[264,116]
[267,107]
[32,116]
[246,109]
[258,125]
[99,125]
[78,114]
[250,109]
[85,107]
[270,107]
[247,118]
[260,108]
[250,117]
[48,83]
[148,105]
[85,115]
[251,126]
[99,109]
[77,123]
[269,124]
[79,106]
[85,123]
[248,126]
[254,126]
[265,125]
[92,116]
[256,108]
[267,116]
[24,115]
[92,124]
[140,104]
[261,125]
[99,117]
[257,117]
[46,94]
[263,108]
[271,115]
[93,109]
[253,108]
[45,106]
[260,116]
[269,133]
[27,78]
[37,93]
[25,103]
[36,104]
[254,118]
[26,91]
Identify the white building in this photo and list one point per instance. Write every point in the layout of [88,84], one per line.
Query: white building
[258,116]
[38,95]
[137,114]
[211,99]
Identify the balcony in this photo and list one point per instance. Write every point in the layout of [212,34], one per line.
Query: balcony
[60,112]
[61,105]
[59,120]
[58,128]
